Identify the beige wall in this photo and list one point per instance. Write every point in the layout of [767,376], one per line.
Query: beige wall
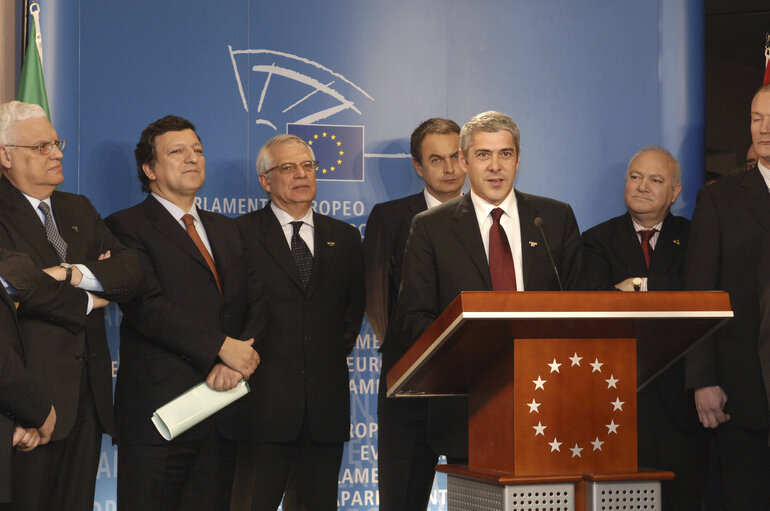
[9,50]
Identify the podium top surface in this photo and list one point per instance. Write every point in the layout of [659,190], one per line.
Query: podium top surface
[665,324]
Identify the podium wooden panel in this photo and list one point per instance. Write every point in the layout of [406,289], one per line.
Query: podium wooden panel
[552,377]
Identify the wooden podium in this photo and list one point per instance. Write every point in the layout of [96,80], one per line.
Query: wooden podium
[551,377]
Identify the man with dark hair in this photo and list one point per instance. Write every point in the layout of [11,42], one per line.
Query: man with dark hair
[64,235]
[184,327]
[310,268]
[486,240]
[644,250]
[405,459]
[729,373]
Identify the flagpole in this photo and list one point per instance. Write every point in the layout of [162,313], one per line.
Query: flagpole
[24,28]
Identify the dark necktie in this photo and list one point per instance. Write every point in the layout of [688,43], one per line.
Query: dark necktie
[301,253]
[500,259]
[189,222]
[54,238]
[646,247]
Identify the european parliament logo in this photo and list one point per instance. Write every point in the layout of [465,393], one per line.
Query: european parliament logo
[338,149]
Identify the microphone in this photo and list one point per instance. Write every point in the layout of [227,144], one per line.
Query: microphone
[539,225]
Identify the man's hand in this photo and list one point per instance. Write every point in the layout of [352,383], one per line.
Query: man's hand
[239,355]
[25,439]
[105,255]
[99,302]
[46,430]
[710,403]
[222,377]
[626,285]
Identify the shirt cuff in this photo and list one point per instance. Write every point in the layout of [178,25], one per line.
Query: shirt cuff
[89,282]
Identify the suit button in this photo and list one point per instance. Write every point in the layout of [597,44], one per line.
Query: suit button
[307,338]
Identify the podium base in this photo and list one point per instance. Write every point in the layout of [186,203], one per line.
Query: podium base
[472,489]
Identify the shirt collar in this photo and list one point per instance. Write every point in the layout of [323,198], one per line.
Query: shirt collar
[175,210]
[484,208]
[284,218]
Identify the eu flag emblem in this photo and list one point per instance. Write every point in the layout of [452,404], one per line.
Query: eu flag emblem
[338,149]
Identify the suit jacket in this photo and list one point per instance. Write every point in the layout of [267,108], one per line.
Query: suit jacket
[386,232]
[731,219]
[22,398]
[172,330]
[613,253]
[445,255]
[54,344]
[310,333]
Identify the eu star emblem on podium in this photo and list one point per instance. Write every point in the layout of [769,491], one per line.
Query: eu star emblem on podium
[575,403]
[338,149]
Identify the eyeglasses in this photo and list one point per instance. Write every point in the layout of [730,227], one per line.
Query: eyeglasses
[290,168]
[44,148]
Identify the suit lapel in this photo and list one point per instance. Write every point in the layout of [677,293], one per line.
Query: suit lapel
[757,197]
[665,248]
[66,221]
[27,223]
[169,227]
[629,247]
[325,246]
[274,242]
[530,237]
[466,228]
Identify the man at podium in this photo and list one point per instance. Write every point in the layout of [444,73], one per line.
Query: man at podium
[493,239]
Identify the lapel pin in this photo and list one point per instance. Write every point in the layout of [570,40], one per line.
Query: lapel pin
[330,243]
[533,243]
[75,228]
[676,242]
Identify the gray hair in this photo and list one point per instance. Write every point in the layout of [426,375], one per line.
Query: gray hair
[13,112]
[664,151]
[264,158]
[489,122]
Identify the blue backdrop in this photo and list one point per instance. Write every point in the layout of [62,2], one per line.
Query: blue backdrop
[588,82]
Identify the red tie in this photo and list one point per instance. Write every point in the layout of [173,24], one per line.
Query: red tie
[646,247]
[189,221]
[500,259]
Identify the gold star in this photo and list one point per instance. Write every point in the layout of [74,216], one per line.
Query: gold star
[334,136]
[339,162]
[332,169]
[324,134]
[309,142]
[342,153]
[315,136]
[324,171]
[339,143]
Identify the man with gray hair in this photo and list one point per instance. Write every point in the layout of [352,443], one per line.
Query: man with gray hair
[65,237]
[487,240]
[642,250]
[310,269]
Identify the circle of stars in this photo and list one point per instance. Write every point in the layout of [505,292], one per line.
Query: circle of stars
[337,143]
[617,406]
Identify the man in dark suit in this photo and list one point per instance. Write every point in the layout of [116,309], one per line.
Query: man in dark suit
[405,460]
[27,417]
[730,223]
[310,268]
[65,236]
[486,240]
[616,257]
[184,327]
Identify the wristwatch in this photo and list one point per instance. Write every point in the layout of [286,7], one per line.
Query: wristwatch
[637,282]
[68,267]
